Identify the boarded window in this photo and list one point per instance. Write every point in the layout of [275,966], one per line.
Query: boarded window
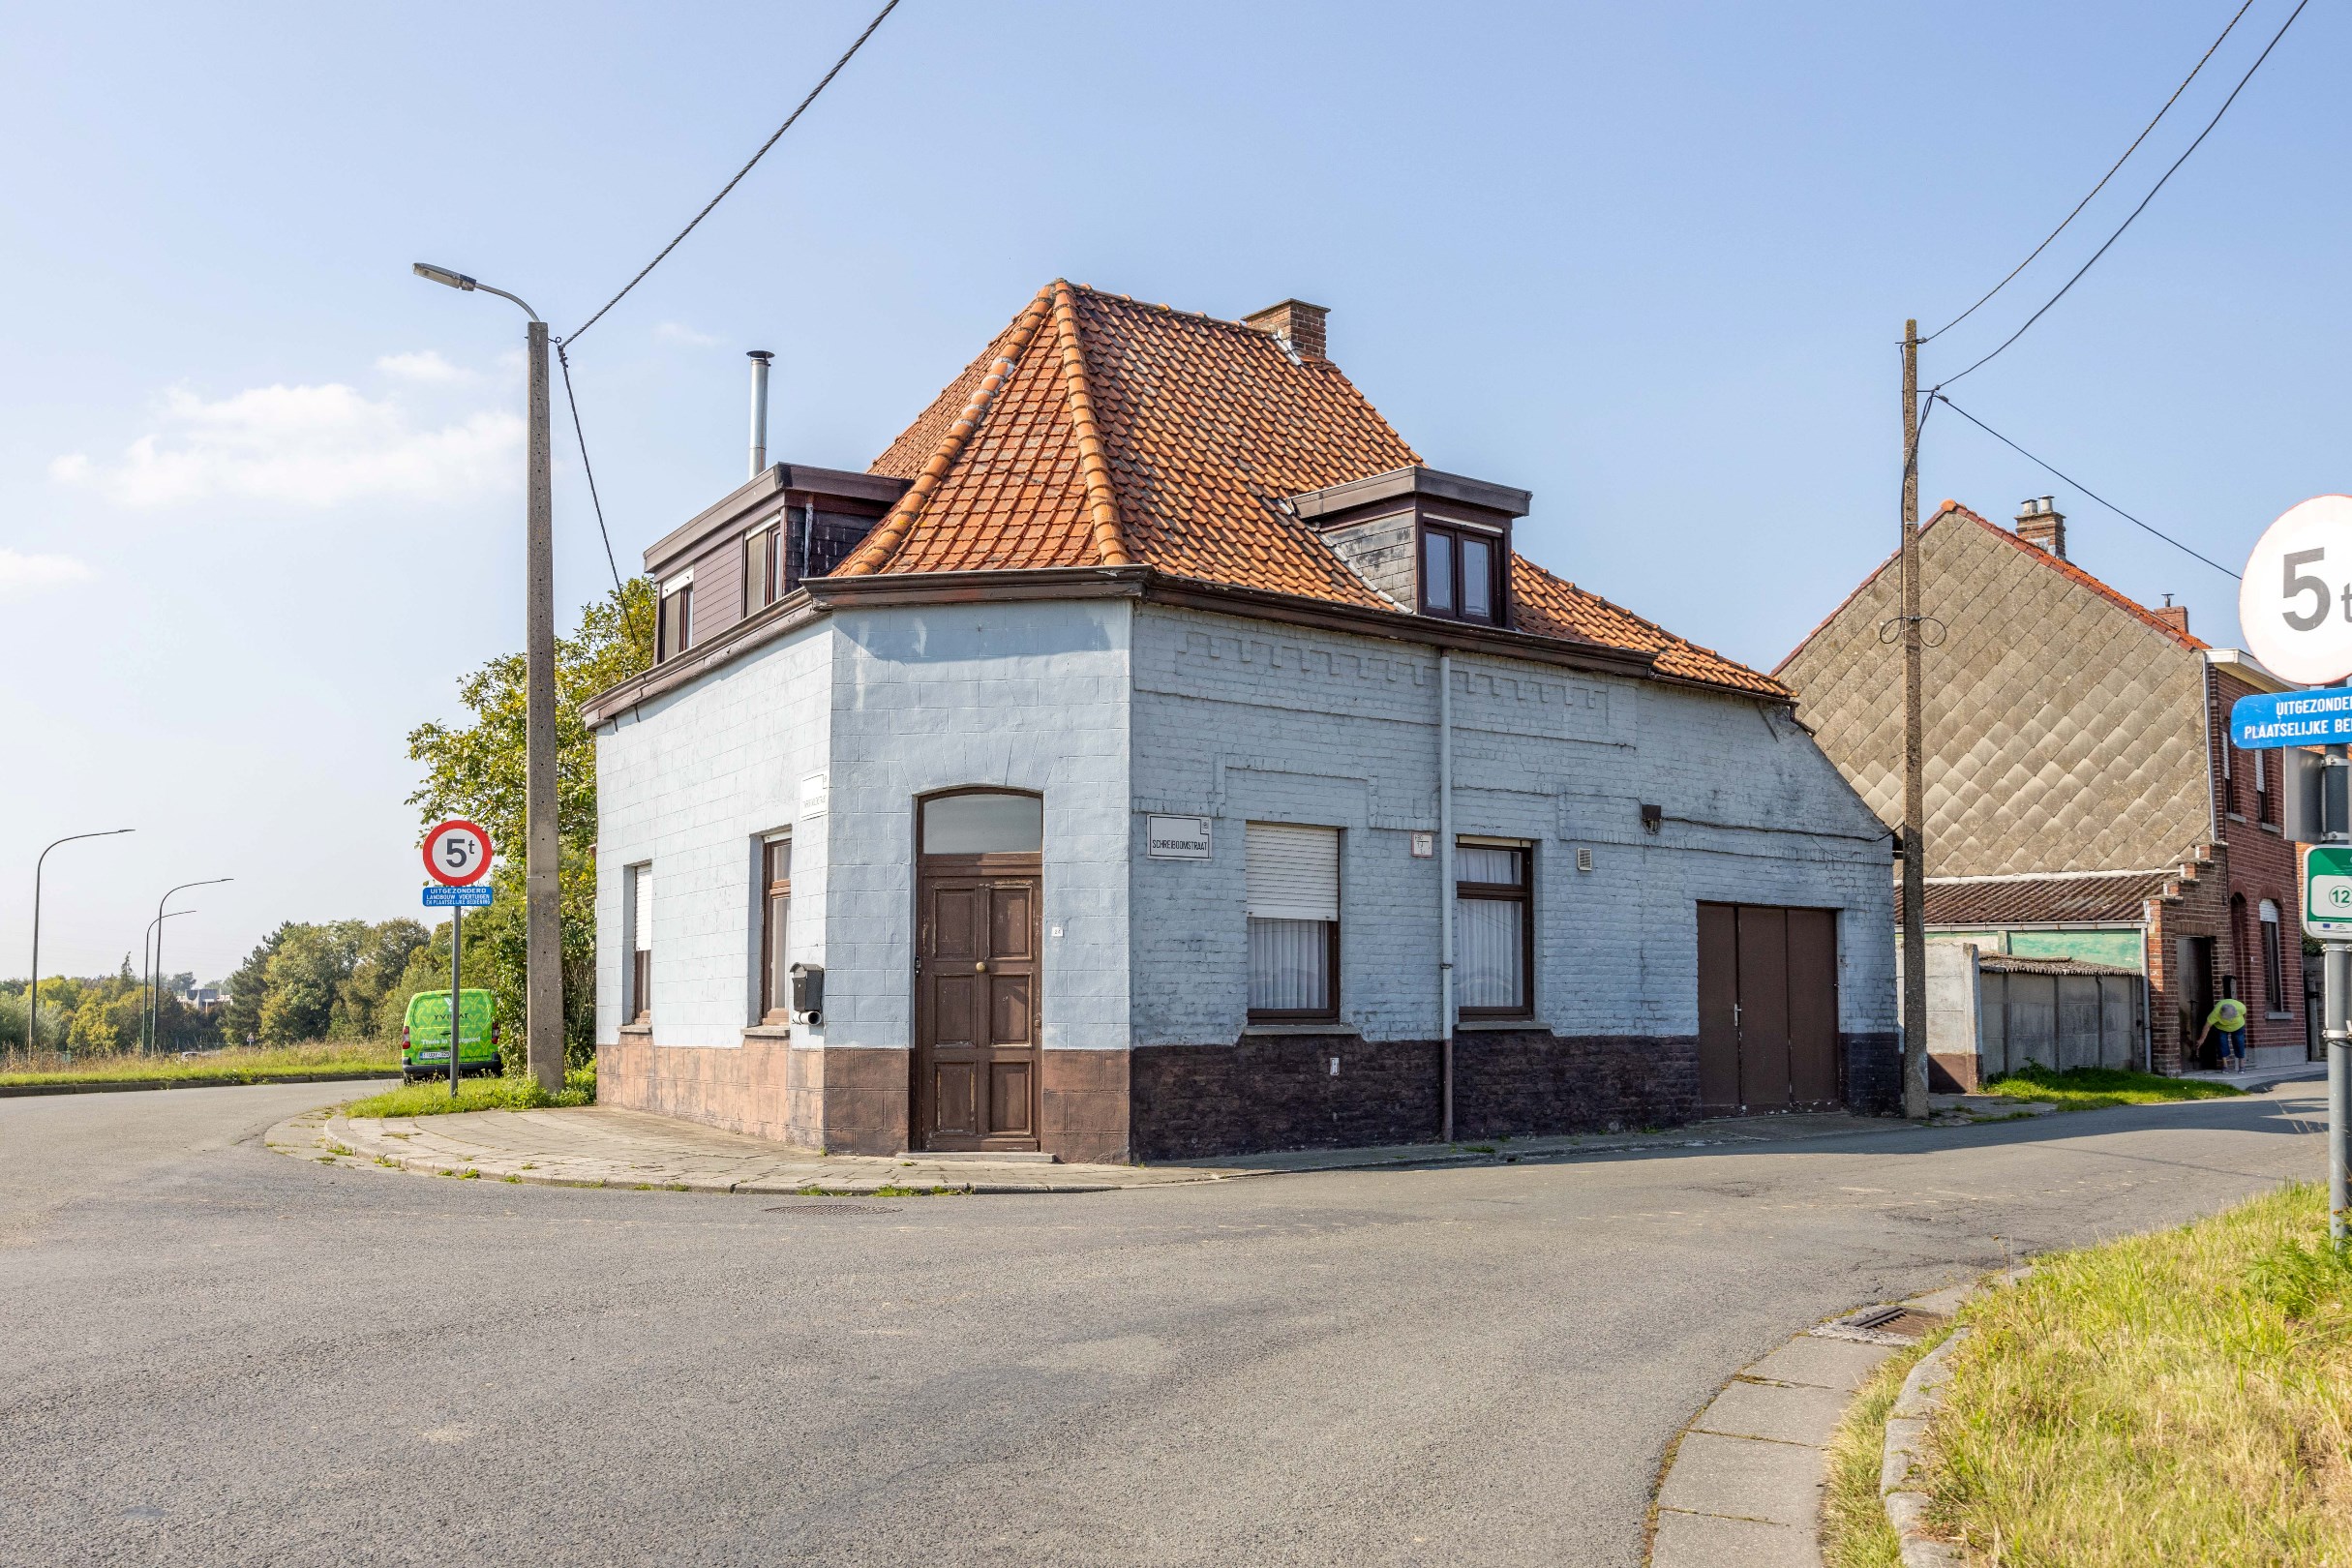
[1293,898]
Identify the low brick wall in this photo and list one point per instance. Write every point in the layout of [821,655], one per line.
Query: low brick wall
[846,1102]
[1519,1082]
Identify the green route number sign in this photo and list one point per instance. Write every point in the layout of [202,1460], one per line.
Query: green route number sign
[2327,892]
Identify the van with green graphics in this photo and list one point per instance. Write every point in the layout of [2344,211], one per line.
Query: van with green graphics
[424,1035]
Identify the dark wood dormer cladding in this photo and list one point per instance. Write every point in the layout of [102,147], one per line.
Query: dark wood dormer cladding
[1434,544]
[760,543]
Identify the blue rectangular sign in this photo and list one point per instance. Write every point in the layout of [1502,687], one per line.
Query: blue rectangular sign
[457,897]
[2320,717]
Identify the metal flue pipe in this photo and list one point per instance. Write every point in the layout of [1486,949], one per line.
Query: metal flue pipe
[759,410]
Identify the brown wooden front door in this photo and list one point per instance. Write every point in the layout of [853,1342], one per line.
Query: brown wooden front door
[975,1075]
[1767,1008]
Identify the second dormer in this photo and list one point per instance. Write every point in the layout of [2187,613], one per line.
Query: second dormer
[1431,543]
[787,523]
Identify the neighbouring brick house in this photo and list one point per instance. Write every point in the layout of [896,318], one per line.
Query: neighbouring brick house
[1080,776]
[2083,799]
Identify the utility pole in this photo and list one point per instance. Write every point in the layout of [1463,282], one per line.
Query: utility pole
[542,913]
[1914,782]
[543,1011]
[2335,1007]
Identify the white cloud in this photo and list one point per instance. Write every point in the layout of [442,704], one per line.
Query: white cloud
[426,367]
[24,575]
[302,446]
[678,332]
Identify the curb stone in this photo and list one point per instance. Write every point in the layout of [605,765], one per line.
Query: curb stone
[1741,1484]
[1905,1448]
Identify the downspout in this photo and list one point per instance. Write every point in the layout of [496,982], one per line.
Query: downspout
[1445,893]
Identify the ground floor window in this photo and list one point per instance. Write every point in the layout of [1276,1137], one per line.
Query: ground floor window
[775,905]
[2274,960]
[636,1006]
[1494,932]
[1293,877]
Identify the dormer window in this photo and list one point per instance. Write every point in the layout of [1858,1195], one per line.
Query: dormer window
[677,617]
[1429,543]
[764,566]
[1461,570]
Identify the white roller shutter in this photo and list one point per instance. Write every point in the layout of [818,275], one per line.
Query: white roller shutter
[1294,872]
[642,937]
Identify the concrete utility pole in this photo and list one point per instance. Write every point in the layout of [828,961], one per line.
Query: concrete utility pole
[2335,1008]
[1914,782]
[543,937]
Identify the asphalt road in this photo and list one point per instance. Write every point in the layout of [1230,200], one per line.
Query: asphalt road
[216,1354]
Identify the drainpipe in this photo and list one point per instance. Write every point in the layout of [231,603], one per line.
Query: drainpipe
[1445,891]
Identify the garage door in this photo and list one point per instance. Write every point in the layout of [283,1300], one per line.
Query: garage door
[1767,1009]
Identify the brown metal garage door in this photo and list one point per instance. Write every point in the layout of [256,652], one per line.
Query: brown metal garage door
[1767,1009]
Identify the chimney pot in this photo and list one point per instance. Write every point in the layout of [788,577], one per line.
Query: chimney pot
[1296,323]
[2042,524]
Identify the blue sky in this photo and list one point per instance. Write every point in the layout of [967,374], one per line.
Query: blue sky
[259,488]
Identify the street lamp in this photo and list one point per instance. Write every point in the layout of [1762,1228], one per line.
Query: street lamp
[154,985]
[32,995]
[543,987]
[152,944]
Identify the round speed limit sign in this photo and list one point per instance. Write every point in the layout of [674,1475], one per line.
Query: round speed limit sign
[2295,603]
[457,853]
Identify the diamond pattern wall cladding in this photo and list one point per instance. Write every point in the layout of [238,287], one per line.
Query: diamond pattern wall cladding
[2065,729]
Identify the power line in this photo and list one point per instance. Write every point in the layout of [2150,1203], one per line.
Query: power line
[2102,180]
[823,82]
[2144,200]
[2077,484]
[627,617]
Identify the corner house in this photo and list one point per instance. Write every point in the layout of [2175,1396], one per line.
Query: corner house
[1110,769]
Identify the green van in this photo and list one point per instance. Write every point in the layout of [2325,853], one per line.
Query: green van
[424,1037]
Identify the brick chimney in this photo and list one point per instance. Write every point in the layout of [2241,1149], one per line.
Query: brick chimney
[2174,616]
[2040,524]
[1295,323]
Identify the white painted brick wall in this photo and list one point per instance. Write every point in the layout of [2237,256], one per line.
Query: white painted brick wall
[1240,720]
[1233,719]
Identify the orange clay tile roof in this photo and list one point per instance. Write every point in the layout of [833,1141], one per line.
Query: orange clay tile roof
[1096,430]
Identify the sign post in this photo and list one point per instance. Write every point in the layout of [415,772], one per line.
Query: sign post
[457,856]
[2295,609]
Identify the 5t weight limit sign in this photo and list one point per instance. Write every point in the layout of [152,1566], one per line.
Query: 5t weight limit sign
[2295,603]
[457,853]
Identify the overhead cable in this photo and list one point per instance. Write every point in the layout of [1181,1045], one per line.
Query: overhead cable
[2144,200]
[2102,179]
[620,594]
[823,82]
[2077,484]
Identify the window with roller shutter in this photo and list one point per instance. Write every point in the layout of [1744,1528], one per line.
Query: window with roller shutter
[1293,903]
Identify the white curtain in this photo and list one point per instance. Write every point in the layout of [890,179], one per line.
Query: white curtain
[1289,966]
[1487,951]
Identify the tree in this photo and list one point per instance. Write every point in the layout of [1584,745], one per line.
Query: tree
[476,771]
[305,979]
[241,1015]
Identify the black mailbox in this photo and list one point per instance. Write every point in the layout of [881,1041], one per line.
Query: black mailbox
[808,993]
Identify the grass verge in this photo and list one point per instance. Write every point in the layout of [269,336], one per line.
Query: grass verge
[517,1090]
[1855,1532]
[239,1066]
[2178,1398]
[2091,1088]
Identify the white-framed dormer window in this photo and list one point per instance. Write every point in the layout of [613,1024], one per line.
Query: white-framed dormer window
[676,615]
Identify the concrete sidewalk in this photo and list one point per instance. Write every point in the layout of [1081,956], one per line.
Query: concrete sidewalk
[602,1146]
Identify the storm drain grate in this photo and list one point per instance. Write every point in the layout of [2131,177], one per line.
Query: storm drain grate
[1880,1325]
[834,1208]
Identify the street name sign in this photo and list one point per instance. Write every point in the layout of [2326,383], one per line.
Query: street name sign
[2295,601]
[457,897]
[1176,838]
[2292,718]
[457,852]
[2327,892]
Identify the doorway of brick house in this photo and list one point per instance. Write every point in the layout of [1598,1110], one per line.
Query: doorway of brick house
[976,981]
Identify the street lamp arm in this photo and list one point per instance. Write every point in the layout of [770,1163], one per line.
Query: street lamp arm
[152,1012]
[450,277]
[517,298]
[32,985]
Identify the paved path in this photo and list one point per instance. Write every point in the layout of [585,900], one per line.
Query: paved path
[216,1354]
